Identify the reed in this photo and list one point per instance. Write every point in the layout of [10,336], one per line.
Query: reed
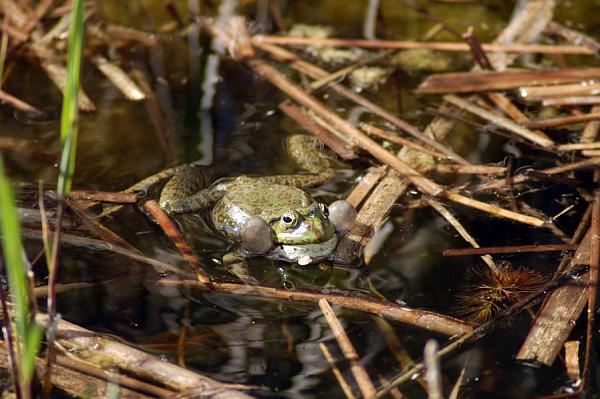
[68,120]
[68,137]
[27,335]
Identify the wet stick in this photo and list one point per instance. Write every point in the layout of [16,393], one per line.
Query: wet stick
[555,320]
[336,372]
[177,239]
[103,196]
[110,353]
[72,381]
[429,321]
[358,371]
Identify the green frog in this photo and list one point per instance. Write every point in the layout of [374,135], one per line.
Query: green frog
[270,216]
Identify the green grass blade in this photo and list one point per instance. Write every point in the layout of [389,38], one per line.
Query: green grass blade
[68,121]
[28,334]
[30,350]
[13,252]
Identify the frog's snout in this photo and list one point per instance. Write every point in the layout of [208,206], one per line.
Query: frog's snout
[343,215]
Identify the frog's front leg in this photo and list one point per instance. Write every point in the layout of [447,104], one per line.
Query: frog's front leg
[186,192]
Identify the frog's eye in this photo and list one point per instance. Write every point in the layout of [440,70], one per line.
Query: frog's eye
[324,209]
[289,219]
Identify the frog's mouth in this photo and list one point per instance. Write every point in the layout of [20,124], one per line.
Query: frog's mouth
[304,254]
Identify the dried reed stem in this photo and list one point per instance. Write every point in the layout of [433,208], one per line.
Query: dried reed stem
[408,44]
[336,372]
[500,121]
[178,240]
[358,371]
[511,249]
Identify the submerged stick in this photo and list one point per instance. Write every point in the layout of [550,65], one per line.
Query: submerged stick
[177,239]
[336,372]
[358,371]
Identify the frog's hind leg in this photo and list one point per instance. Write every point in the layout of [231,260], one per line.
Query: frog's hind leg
[307,153]
[186,192]
[148,187]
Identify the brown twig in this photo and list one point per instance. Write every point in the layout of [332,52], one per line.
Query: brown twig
[394,138]
[432,369]
[336,371]
[572,100]
[553,323]
[110,353]
[556,91]
[573,36]
[51,300]
[365,185]
[478,81]
[523,177]
[419,318]
[450,218]
[471,170]
[592,283]
[103,196]
[177,239]
[562,120]
[358,371]
[572,361]
[408,44]
[578,146]
[542,141]
[122,380]
[73,382]
[513,249]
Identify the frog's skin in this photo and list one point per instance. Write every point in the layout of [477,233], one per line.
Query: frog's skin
[300,228]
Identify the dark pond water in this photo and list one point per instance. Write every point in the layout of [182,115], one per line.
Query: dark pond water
[234,122]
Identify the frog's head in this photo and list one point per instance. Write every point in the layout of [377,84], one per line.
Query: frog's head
[302,235]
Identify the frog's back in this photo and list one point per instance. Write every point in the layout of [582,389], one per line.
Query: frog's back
[246,199]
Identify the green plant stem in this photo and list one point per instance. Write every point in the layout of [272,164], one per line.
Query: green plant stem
[8,335]
[68,137]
